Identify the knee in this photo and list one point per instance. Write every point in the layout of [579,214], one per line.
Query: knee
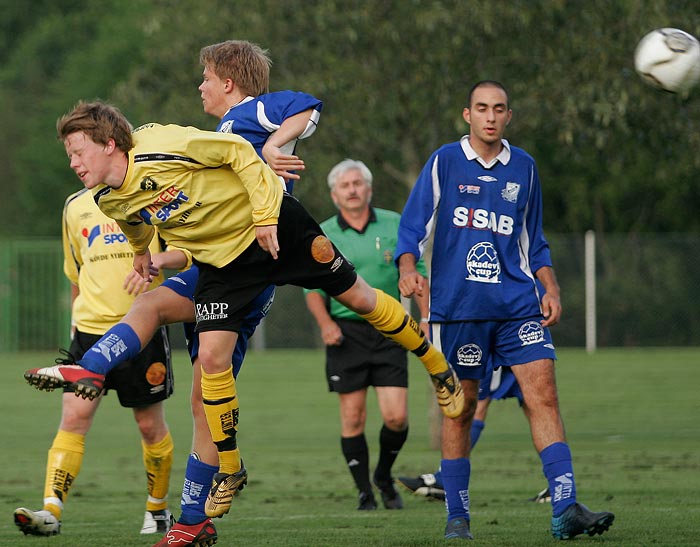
[396,422]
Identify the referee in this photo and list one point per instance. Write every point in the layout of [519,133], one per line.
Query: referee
[357,356]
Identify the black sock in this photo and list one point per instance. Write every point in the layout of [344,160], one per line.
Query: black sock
[357,457]
[390,443]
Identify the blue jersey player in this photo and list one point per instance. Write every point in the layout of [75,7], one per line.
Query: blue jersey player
[481,197]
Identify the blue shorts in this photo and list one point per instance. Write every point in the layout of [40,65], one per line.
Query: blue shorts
[500,384]
[184,284]
[474,348]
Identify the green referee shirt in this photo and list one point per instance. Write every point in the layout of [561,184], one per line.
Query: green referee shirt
[371,250]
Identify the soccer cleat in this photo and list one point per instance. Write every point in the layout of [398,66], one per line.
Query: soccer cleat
[157,522]
[458,529]
[367,502]
[190,535]
[448,390]
[37,523]
[425,485]
[542,497]
[224,487]
[86,384]
[578,519]
[390,497]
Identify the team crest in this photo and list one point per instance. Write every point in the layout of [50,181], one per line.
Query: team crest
[226,127]
[388,256]
[510,192]
[531,332]
[155,375]
[148,184]
[469,355]
[322,250]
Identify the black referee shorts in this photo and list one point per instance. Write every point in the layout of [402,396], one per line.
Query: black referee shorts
[306,258]
[142,381]
[365,358]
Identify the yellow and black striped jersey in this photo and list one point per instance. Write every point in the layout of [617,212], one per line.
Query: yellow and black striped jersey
[205,191]
[97,258]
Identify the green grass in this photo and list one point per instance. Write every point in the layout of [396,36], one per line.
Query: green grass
[632,418]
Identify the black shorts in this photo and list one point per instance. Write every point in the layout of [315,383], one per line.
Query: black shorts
[306,258]
[365,358]
[142,381]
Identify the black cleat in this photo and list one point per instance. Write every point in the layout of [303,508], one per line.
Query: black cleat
[578,519]
[458,529]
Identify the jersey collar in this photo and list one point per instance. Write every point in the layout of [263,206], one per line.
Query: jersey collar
[344,224]
[503,156]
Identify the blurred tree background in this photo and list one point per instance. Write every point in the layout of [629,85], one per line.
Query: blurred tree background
[614,155]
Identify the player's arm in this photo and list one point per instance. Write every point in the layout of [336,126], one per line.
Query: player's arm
[551,300]
[330,331]
[410,281]
[423,302]
[290,130]
[173,259]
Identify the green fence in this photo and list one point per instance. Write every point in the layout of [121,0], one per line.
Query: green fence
[647,294]
[34,295]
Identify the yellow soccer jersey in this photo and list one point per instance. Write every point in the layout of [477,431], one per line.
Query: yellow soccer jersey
[205,191]
[97,258]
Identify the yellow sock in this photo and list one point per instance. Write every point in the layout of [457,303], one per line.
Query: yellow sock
[62,467]
[158,462]
[221,409]
[390,318]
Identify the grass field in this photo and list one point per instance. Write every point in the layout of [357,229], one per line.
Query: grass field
[632,416]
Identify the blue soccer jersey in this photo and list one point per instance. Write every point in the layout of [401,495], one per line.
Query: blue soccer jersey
[487,223]
[256,118]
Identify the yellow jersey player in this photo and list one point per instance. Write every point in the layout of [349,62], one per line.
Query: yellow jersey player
[97,260]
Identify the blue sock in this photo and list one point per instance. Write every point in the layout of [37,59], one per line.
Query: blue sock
[198,477]
[119,344]
[559,471]
[475,432]
[455,477]
[438,478]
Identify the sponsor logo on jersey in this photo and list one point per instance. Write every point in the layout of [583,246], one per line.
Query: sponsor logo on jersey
[469,355]
[510,192]
[531,333]
[211,311]
[337,264]
[469,188]
[481,219]
[164,204]
[487,178]
[110,233]
[483,264]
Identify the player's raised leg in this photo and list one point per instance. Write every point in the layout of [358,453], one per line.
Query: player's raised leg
[389,317]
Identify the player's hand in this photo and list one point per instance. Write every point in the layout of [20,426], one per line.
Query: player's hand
[144,267]
[282,164]
[331,334]
[134,284]
[551,309]
[267,239]
[411,283]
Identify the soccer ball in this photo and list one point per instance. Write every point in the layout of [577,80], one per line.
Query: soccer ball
[669,59]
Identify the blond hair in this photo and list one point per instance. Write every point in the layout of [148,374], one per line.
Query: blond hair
[247,64]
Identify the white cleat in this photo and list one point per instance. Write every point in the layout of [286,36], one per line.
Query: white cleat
[37,523]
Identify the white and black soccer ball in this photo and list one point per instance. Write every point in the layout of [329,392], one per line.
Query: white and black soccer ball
[669,59]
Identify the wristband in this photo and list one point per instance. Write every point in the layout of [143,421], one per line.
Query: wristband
[423,319]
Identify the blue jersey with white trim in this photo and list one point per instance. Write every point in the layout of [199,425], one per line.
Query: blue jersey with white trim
[256,118]
[488,240]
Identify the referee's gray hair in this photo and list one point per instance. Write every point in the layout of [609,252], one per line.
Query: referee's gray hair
[347,165]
